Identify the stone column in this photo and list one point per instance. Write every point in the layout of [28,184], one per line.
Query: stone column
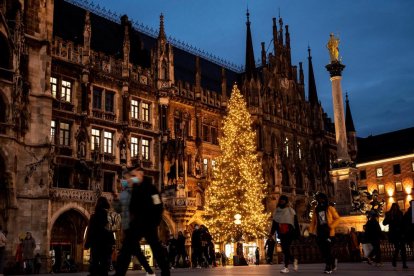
[335,69]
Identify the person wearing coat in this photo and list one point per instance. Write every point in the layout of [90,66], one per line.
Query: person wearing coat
[373,235]
[100,239]
[396,235]
[28,247]
[324,221]
[285,224]
[408,226]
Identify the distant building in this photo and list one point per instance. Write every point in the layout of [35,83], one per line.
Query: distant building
[385,163]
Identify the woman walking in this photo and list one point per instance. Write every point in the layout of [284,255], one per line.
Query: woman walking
[285,223]
[324,221]
[396,235]
[100,239]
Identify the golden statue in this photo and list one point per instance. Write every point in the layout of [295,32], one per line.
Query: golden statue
[332,46]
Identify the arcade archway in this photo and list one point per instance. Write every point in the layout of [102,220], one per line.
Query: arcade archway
[67,237]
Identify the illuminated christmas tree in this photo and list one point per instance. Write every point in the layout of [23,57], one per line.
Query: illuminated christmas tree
[234,199]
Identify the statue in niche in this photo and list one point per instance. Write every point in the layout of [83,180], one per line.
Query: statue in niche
[167,167]
[197,168]
[172,175]
[123,153]
[82,148]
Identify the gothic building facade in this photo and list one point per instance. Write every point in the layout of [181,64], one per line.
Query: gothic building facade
[84,96]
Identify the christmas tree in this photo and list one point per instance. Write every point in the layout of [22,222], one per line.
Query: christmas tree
[234,199]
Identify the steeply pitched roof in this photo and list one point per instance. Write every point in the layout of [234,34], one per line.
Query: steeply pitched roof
[385,145]
[107,37]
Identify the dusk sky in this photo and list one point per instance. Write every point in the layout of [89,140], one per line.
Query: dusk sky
[377,42]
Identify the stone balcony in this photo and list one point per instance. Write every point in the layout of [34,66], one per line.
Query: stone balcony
[181,207]
[66,194]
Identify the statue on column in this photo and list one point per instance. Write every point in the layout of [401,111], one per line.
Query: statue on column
[333,47]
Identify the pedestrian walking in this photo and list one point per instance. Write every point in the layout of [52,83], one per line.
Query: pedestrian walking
[99,239]
[196,253]
[285,224]
[3,242]
[408,225]
[396,235]
[366,246]
[373,236]
[181,252]
[28,246]
[269,249]
[354,246]
[145,211]
[172,250]
[257,254]
[223,258]
[324,221]
[121,205]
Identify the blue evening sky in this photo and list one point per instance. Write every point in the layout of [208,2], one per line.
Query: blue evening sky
[377,45]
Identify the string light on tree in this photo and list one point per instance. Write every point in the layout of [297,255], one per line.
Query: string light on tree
[234,199]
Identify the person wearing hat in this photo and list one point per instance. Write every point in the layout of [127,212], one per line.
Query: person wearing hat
[285,224]
[373,233]
[324,221]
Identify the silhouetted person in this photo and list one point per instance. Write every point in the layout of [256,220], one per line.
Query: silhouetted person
[396,235]
[145,216]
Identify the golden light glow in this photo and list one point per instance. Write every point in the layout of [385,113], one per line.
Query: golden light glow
[234,198]
[390,191]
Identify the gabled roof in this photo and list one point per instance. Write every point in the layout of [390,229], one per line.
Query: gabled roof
[386,145]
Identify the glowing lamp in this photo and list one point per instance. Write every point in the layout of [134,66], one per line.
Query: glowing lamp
[237,216]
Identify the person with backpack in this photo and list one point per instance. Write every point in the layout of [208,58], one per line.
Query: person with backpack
[325,219]
[145,211]
[285,223]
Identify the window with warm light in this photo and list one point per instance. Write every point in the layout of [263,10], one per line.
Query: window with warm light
[64,134]
[145,112]
[134,109]
[134,146]
[96,139]
[52,131]
[66,92]
[53,86]
[287,146]
[379,172]
[381,189]
[108,141]
[396,169]
[145,146]
[398,186]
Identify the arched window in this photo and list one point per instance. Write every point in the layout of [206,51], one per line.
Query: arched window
[287,146]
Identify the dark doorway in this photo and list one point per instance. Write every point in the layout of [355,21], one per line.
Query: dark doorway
[66,242]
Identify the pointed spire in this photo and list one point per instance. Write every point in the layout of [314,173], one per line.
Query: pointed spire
[287,34]
[349,122]
[313,94]
[301,76]
[280,31]
[161,34]
[263,54]
[275,40]
[250,61]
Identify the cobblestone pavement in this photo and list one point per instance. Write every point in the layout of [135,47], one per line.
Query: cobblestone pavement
[354,269]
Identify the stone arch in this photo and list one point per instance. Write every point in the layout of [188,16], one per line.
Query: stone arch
[68,226]
[166,227]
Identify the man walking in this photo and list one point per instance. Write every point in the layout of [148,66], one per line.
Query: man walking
[269,249]
[145,215]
